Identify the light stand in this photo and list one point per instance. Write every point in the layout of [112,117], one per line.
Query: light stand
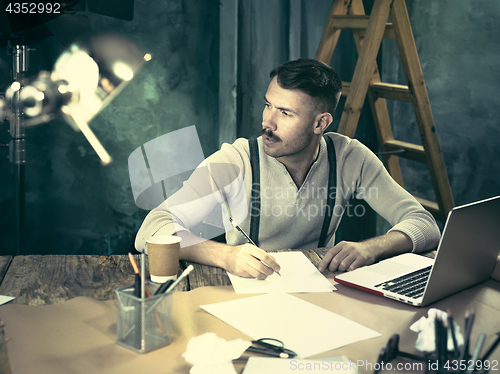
[17,146]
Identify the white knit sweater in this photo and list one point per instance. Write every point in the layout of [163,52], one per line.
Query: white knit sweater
[290,217]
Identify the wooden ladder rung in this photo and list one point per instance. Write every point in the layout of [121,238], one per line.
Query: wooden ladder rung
[346,87]
[431,206]
[392,91]
[413,152]
[359,23]
[389,91]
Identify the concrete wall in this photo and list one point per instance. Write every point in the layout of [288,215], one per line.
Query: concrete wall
[74,205]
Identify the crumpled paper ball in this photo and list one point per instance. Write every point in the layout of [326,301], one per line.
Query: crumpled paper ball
[210,354]
[425,327]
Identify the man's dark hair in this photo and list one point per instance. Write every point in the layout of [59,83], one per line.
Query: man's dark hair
[312,77]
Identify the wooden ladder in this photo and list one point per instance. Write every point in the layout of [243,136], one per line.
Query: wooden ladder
[368,33]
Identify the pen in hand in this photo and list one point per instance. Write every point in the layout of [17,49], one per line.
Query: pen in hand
[277,272]
[251,242]
[241,231]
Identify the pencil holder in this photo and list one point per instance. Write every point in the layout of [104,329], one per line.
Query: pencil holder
[143,324]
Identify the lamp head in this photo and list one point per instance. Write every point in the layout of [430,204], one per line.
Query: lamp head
[96,70]
[85,78]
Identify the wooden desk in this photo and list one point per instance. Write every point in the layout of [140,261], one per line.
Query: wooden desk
[40,280]
[44,280]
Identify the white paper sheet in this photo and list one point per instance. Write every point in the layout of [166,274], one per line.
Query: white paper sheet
[303,327]
[5,299]
[298,274]
[265,365]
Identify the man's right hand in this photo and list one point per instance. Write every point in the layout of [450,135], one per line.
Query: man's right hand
[245,261]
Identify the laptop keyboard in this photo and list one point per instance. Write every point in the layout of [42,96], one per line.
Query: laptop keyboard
[410,285]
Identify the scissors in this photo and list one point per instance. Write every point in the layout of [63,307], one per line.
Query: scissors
[271,347]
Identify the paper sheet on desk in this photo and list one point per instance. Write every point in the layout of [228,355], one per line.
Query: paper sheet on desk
[303,327]
[298,274]
[267,365]
[5,299]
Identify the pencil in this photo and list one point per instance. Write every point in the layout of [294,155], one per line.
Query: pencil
[492,348]
[251,242]
[181,277]
[469,322]
[173,284]
[444,337]
[476,352]
[164,286]
[241,231]
[438,339]
[136,270]
[138,273]
[452,328]
[233,223]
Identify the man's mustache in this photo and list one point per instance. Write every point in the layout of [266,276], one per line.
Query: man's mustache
[270,135]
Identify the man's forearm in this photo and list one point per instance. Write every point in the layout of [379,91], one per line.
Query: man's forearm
[203,251]
[390,244]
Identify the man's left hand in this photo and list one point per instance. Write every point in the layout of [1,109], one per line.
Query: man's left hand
[347,256]
[351,255]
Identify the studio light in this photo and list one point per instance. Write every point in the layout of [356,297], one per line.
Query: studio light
[85,78]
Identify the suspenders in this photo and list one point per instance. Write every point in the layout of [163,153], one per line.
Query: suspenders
[255,196]
[332,190]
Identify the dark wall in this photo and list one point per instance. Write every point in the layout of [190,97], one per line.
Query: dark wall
[74,205]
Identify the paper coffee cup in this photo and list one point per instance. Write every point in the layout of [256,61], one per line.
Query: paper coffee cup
[163,256]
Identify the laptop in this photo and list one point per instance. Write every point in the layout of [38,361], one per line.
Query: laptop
[466,255]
